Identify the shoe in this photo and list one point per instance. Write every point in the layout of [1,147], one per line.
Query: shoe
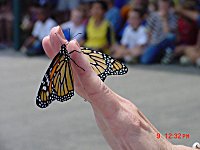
[198,62]
[185,61]
[23,49]
[168,57]
[130,60]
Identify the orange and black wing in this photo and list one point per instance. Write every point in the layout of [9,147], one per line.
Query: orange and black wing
[103,64]
[43,96]
[118,68]
[61,80]
[57,83]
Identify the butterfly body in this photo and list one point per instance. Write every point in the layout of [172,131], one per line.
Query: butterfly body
[57,83]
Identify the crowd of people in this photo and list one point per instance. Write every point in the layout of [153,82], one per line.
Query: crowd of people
[134,31]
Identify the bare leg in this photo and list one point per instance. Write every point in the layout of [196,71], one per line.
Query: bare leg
[192,53]
[179,50]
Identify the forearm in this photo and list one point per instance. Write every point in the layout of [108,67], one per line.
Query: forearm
[189,14]
[137,51]
[127,128]
[29,41]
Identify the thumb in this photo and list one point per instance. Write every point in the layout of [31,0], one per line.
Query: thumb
[83,70]
[98,93]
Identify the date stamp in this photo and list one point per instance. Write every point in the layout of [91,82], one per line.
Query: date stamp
[177,135]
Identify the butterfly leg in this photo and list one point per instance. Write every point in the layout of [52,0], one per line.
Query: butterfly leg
[74,61]
[76,64]
[74,51]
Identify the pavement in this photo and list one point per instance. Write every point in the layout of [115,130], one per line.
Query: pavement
[169,96]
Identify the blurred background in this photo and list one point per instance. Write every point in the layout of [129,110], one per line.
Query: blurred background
[159,40]
[134,31]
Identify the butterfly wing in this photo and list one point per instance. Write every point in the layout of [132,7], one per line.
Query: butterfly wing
[100,62]
[118,68]
[61,80]
[57,82]
[43,96]
[42,99]
[103,64]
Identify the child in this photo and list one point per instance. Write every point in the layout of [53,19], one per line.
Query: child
[33,45]
[191,54]
[98,33]
[75,25]
[133,39]
[162,27]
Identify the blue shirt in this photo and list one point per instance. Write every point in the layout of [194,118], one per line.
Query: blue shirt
[113,16]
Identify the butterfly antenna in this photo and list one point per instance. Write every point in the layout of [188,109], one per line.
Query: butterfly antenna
[76,35]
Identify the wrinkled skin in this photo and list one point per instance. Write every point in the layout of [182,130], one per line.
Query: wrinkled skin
[122,124]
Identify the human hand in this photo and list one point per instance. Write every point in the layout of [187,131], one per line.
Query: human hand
[121,123]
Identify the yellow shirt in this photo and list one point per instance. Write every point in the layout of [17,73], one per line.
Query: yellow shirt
[98,36]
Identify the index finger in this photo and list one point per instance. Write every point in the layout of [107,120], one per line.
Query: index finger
[53,42]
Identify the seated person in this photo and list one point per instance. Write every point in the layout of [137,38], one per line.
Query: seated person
[98,33]
[75,25]
[133,39]
[187,31]
[142,4]
[191,53]
[113,15]
[33,46]
[162,27]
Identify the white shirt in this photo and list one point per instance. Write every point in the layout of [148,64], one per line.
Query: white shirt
[132,38]
[74,30]
[42,29]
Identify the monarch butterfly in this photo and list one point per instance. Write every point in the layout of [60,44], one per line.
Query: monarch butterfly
[57,83]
